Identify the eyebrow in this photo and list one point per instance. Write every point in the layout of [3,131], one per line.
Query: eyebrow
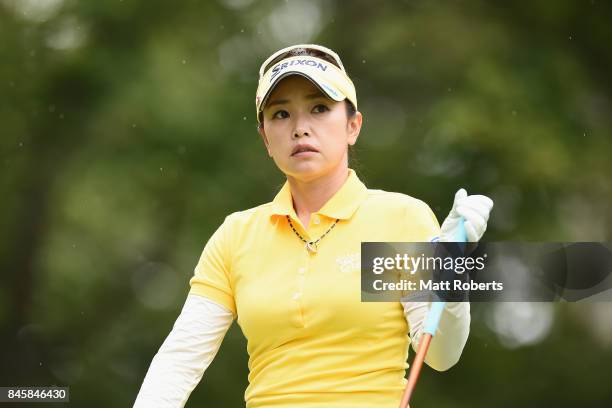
[283,101]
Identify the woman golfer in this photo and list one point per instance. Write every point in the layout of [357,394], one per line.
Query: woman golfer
[289,271]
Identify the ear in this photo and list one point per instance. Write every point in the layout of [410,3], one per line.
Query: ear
[354,127]
[262,133]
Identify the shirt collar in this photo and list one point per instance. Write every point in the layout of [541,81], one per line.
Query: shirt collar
[342,205]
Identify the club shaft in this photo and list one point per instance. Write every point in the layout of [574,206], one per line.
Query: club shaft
[415,370]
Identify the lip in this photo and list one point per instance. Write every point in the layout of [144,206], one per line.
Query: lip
[303,149]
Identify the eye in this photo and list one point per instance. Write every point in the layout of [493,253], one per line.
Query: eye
[281,114]
[320,108]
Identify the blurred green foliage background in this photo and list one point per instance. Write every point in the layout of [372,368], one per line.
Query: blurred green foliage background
[127,134]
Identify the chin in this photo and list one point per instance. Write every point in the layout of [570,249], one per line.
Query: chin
[305,171]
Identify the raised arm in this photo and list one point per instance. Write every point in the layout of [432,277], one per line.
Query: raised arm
[186,353]
[454,328]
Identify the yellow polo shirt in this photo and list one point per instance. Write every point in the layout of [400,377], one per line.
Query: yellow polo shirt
[311,341]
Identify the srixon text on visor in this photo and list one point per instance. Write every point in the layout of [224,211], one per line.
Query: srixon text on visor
[281,66]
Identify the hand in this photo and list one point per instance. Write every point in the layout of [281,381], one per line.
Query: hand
[475,211]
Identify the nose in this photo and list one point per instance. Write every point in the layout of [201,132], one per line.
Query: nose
[301,129]
[299,132]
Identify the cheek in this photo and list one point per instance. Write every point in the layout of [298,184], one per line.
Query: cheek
[276,142]
[340,132]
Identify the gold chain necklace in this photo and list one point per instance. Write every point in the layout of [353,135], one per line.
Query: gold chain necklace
[311,246]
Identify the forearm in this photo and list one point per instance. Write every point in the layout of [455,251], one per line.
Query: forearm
[186,353]
[451,336]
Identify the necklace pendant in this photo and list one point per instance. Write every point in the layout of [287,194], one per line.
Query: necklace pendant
[311,247]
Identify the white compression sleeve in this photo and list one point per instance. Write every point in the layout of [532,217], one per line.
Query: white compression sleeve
[447,345]
[186,353]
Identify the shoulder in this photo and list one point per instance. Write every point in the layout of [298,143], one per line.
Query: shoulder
[250,216]
[401,210]
[393,201]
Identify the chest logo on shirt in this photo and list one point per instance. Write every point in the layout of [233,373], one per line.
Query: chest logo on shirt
[349,262]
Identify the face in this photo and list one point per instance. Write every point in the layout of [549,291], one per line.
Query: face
[305,132]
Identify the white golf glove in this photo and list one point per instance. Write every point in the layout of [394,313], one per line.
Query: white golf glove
[475,211]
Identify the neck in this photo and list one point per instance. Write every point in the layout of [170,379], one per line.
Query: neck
[310,196]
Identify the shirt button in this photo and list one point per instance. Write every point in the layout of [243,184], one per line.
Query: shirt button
[296,295]
[302,270]
[316,219]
